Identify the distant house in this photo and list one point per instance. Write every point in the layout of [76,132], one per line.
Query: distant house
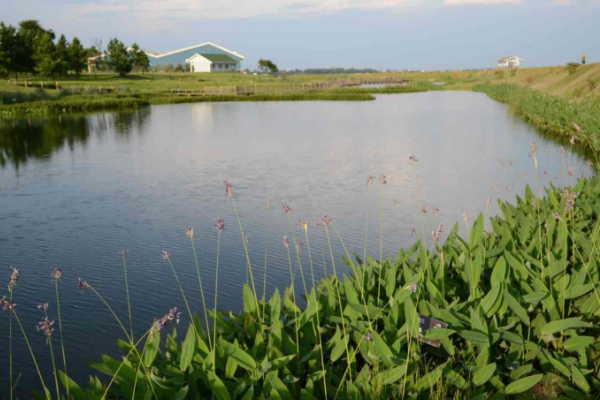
[205,57]
[509,62]
[213,63]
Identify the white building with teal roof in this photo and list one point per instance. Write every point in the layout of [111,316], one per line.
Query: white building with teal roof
[205,57]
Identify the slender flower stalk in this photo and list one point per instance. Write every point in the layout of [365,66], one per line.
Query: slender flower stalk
[229,190]
[382,181]
[124,256]
[220,226]
[9,305]
[57,275]
[190,233]
[325,221]
[286,243]
[46,326]
[264,294]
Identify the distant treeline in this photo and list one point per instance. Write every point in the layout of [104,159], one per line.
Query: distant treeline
[313,71]
[29,48]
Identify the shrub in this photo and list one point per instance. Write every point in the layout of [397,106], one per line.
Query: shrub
[529,80]
[592,83]
[499,73]
[513,72]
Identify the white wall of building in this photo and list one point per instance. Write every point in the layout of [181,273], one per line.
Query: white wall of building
[199,64]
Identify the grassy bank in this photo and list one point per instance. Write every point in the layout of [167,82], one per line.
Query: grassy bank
[552,114]
[521,303]
[88,103]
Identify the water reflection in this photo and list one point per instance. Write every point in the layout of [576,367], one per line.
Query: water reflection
[40,139]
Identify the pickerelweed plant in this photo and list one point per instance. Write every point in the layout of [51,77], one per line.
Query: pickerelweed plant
[521,303]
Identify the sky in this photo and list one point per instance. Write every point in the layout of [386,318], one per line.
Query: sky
[381,34]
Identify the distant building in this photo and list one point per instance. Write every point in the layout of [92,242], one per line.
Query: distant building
[509,62]
[205,57]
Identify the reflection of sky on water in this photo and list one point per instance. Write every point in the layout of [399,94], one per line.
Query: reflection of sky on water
[78,190]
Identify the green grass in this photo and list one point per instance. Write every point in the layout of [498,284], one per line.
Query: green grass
[552,114]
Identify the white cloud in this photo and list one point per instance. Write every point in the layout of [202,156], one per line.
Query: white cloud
[469,2]
[558,3]
[226,9]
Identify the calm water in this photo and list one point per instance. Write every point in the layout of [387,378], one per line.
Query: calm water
[76,191]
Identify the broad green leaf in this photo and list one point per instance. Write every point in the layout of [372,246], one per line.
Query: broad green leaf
[490,299]
[475,337]
[412,318]
[438,333]
[218,387]
[244,359]
[392,375]
[249,299]
[455,378]
[382,349]
[577,291]
[187,351]
[516,307]
[74,389]
[577,343]
[523,384]
[429,379]
[279,386]
[151,349]
[579,379]
[534,297]
[180,394]
[484,374]
[560,325]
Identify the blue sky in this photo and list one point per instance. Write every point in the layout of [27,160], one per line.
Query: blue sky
[415,34]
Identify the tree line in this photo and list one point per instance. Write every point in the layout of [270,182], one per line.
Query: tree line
[31,49]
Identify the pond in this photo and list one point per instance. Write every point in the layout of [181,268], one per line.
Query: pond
[77,190]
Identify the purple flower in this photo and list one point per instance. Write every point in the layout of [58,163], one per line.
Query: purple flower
[303,225]
[501,162]
[545,172]
[577,127]
[370,180]
[189,231]
[165,255]
[571,171]
[124,252]
[423,210]
[437,234]
[556,216]
[56,274]
[7,305]
[219,224]
[436,211]
[413,231]
[228,188]
[487,201]
[45,326]
[14,277]
[382,179]
[43,306]
[163,322]
[326,220]
[286,242]
[83,284]
[413,159]
[286,208]
[413,287]
[532,149]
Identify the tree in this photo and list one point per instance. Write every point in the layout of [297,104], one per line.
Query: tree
[61,56]
[45,61]
[140,58]
[9,49]
[179,68]
[267,66]
[77,57]
[169,68]
[119,59]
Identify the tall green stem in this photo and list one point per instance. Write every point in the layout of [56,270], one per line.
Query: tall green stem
[201,288]
[62,341]
[127,291]
[216,310]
